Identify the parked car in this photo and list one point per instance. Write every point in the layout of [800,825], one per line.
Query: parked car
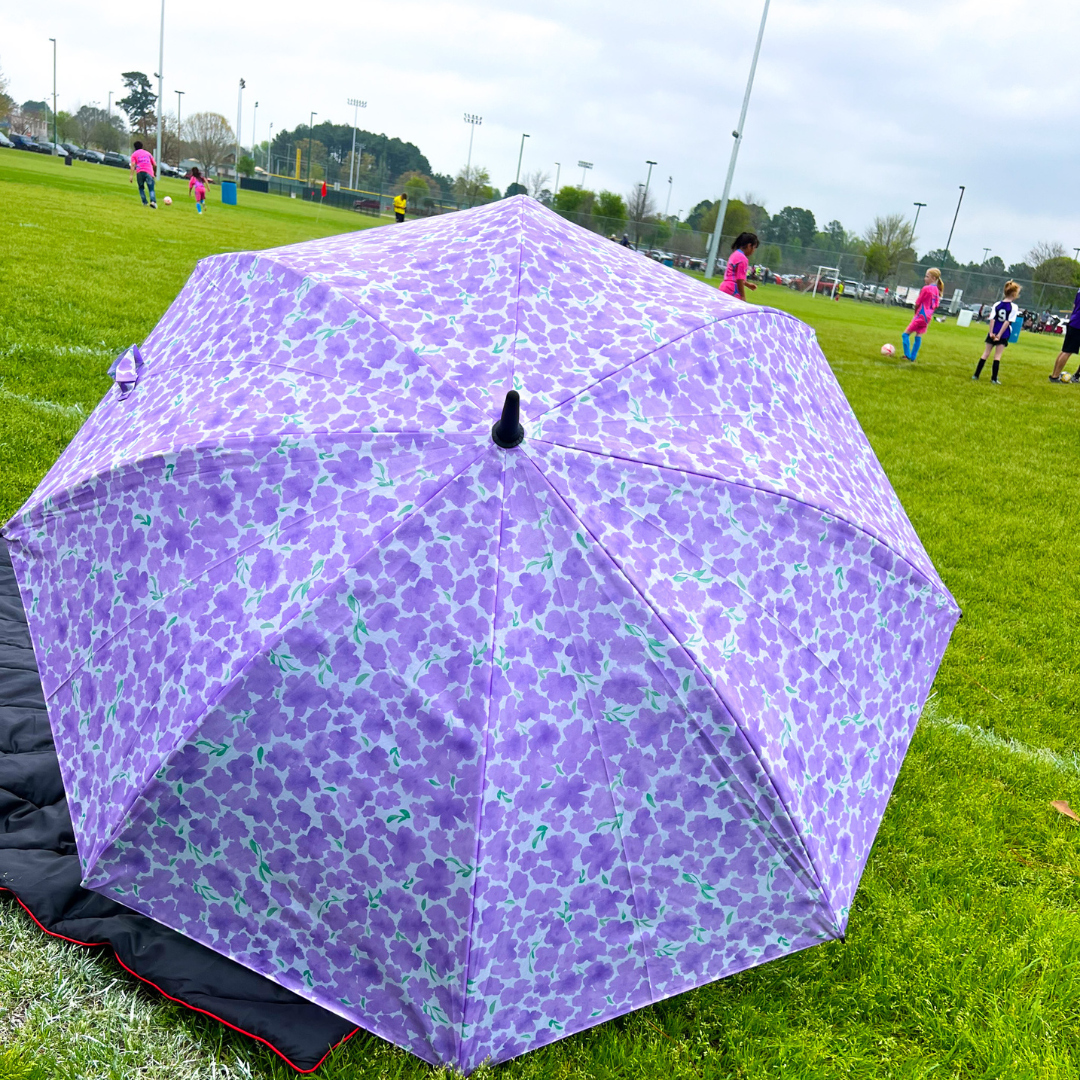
[95,156]
[5,142]
[46,147]
[121,161]
[73,150]
[172,170]
[23,142]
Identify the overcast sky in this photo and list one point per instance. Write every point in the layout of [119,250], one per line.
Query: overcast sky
[860,107]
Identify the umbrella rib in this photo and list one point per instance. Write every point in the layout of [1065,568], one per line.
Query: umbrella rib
[922,575]
[713,321]
[230,681]
[483,777]
[739,722]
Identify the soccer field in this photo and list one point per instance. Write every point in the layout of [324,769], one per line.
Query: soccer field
[964,940]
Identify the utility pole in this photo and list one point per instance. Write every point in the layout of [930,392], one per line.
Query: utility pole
[269,147]
[310,136]
[918,206]
[558,170]
[667,205]
[517,175]
[583,165]
[254,114]
[714,245]
[53,40]
[179,136]
[160,92]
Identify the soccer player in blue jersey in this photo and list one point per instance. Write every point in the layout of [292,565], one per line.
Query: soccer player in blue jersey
[1002,317]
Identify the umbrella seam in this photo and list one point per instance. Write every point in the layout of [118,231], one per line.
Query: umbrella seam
[940,589]
[711,321]
[634,888]
[815,876]
[483,777]
[228,683]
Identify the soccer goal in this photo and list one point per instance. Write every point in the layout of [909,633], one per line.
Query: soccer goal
[821,270]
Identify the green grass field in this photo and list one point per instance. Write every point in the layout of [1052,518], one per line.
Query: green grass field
[963,954]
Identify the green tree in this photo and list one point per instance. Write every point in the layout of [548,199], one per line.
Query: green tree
[793,225]
[574,200]
[473,185]
[694,218]
[610,213]
[210,139]
[245,167]
[941,258]
[140,101]
[7,103]
[737,219]
[1021,270]
[888,241]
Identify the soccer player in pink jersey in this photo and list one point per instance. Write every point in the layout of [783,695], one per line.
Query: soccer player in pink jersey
[143,168]
[925,305]
[738,265]
[197,184]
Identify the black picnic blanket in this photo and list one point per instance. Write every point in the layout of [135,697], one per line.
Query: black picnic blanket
[40,868]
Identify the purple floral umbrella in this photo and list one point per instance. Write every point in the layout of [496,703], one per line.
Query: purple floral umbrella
[477,738]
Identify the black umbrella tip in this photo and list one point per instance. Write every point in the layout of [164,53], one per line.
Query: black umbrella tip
[507,431]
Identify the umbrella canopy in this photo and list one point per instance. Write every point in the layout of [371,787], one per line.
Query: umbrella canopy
[475,739]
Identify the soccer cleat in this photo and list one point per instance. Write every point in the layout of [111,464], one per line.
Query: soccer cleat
[153,206]
[974,378]
[996,382]
[1055,378]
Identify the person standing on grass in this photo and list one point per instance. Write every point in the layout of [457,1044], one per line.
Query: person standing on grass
[1002,316]
[400,204]
[1071,345]
[143,168]
[925,305]
[197,183]
[738,265]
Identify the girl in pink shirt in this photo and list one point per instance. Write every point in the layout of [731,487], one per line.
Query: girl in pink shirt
[198,185]
[735,283]
[925,306]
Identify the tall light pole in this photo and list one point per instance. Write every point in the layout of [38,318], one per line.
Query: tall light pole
[648,179]
[948,245]
[667,205]
[583,165]
[357,106]
[239,116]
[179,137]
[310,136]
[918,206]
[714,245]
[1076,253]
[558,170]
[986,251]
[160,77]
[254,114]
[108,111]
[473,121]
[269,146]
[517,175]
[53,40]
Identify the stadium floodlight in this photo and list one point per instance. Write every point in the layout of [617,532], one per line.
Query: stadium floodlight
[473,121]
[948,245]
[310,135]
[239,116]
[357,105]
[254,114]
[269,147]
[558,170]
[517,175]
[737,134]
[179,138]
[667,205]
[583,165]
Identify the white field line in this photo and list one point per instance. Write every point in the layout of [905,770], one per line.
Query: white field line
[76,411]
[1063,763]
[67,350]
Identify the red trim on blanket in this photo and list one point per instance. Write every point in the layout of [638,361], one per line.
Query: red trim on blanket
[241,1031]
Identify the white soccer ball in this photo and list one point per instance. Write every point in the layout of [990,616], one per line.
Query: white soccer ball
[888,350]
[167,200]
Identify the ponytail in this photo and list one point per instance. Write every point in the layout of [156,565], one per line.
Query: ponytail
[935,277]
[743,239]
